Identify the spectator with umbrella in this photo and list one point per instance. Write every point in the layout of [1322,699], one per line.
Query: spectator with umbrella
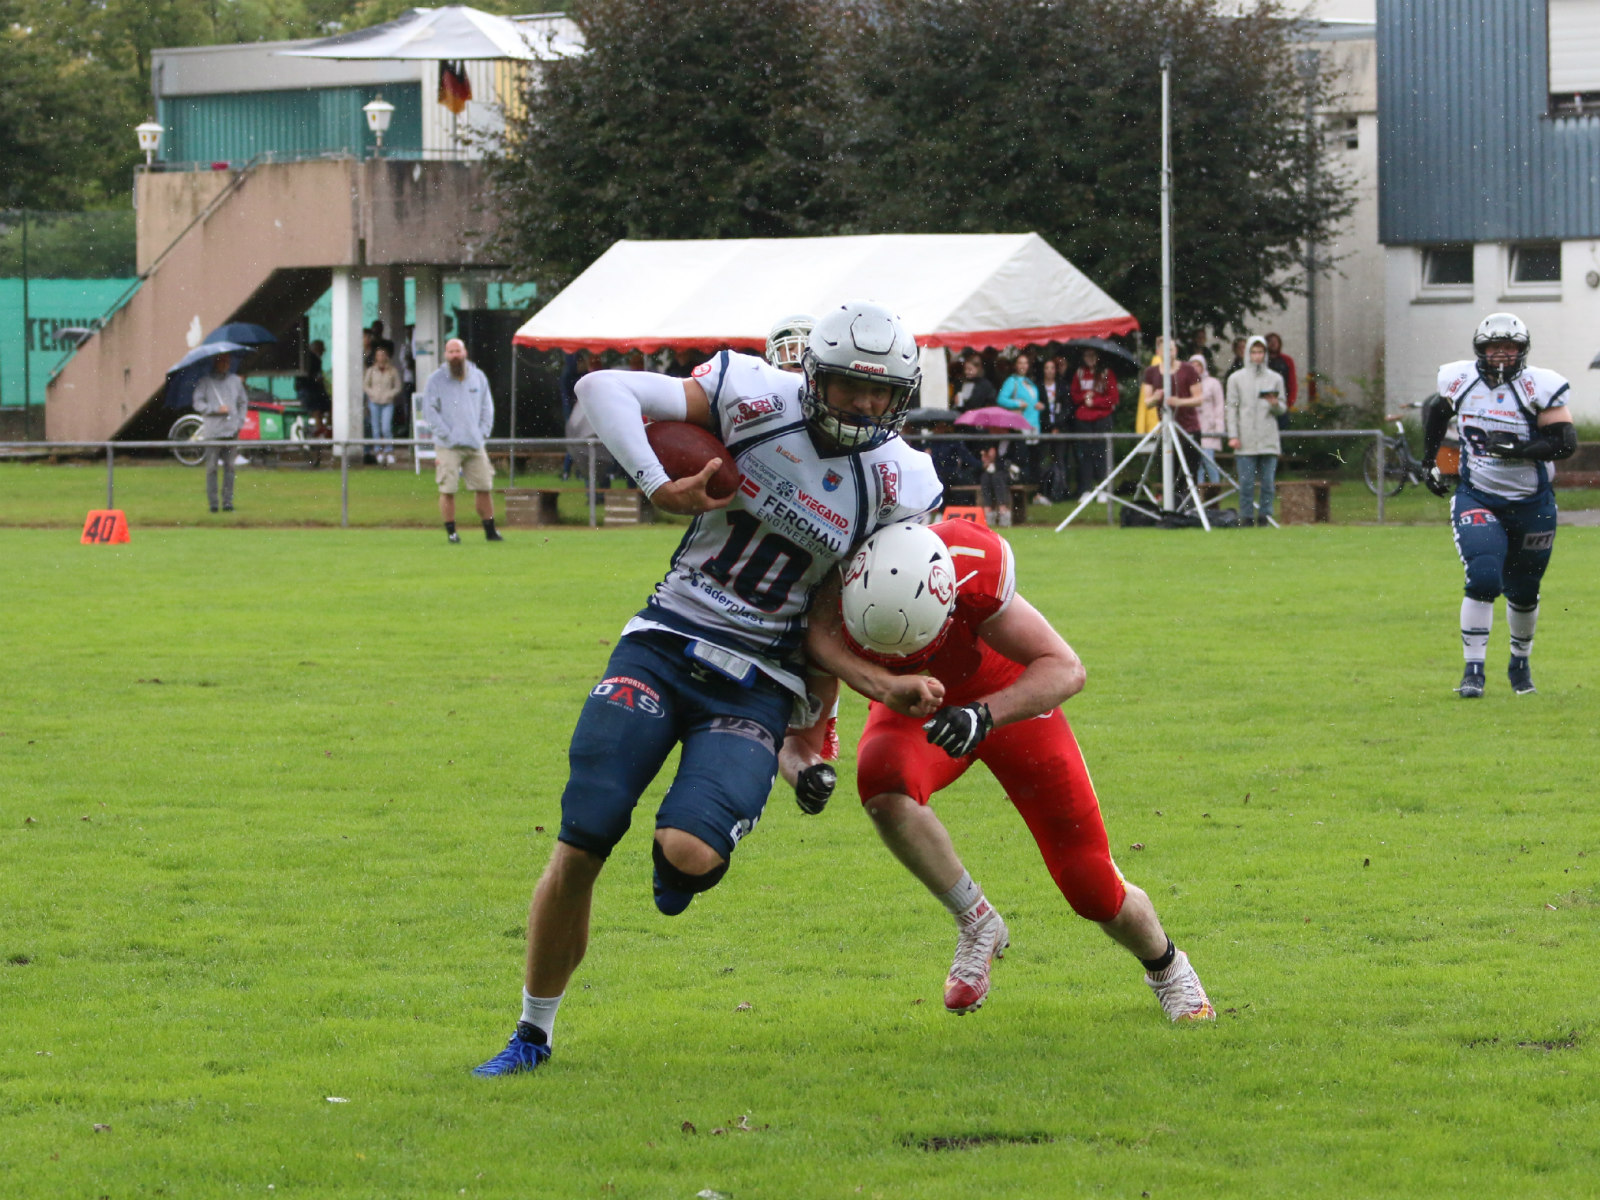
[220,399]
[1020,393]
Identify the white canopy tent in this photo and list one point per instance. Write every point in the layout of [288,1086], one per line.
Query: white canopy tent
[954,290]
[454,32]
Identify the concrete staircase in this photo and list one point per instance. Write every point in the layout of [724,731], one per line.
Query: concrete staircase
[257,245]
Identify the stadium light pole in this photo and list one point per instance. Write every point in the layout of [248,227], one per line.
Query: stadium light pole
[1166,280]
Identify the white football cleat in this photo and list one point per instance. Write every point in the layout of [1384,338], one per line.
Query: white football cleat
[980,942]
[1180,992]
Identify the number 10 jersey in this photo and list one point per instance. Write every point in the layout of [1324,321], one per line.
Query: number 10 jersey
[743,577]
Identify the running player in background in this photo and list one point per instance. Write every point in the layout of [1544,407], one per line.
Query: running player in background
[715,660]
[1514,422]
[942,600]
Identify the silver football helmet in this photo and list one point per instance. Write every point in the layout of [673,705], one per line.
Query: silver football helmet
[786,344]
[1500,327]
[863,341]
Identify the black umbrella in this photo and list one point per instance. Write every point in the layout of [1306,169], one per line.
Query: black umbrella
[1104,346]
[241,333]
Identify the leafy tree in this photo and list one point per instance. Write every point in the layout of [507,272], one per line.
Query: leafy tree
[804,116]
[685,119]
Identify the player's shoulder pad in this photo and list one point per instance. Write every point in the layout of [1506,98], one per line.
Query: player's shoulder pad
[753,396]
[1456,377]
[984,565]
[1542,388]
[905,485]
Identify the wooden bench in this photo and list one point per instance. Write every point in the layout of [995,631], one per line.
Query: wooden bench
[968,496]
[529,508]
[628,506]
[1299,501]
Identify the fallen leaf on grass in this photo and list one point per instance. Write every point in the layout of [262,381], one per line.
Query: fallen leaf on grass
[714,1133]
[29,821]
[1551,907]
[918,1000]
[337,1100]
[99,1128]
[688,1127]
[1366,862]
[745,1006]
[85,817]
[1137,846]
[149,681]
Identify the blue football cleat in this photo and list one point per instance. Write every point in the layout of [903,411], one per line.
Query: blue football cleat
[1471,682]
[527,1048]
[669,901]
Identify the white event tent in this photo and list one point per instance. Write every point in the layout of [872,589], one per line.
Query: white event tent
[954,290]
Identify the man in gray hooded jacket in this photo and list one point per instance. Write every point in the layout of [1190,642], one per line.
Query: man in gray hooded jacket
[457,406]
[1255,398]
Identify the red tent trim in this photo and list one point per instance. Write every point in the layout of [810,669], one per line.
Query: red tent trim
[981,340]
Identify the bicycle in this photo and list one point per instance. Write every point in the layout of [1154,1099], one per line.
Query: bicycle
[268,421]
[1400,465]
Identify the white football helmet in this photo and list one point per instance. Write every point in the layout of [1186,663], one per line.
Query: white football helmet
[899,592]
[865,341]
[1500,327]
[786,344]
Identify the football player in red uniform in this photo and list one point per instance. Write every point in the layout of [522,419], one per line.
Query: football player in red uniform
[942,600]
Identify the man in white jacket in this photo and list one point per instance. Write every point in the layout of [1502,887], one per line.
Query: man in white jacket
[1255,398]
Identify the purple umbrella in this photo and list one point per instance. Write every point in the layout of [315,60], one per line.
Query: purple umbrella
[995,417]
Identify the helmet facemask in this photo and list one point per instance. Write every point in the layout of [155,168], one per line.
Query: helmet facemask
[1500,327]
[853,432]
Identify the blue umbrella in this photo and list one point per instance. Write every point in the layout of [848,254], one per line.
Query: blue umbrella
[241,333]
[186,372]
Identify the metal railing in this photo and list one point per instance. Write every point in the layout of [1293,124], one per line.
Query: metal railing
[590,449]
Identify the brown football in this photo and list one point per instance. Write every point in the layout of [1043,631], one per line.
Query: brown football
[685,448]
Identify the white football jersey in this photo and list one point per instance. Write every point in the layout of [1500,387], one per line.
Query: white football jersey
[1512,407]
[743,576]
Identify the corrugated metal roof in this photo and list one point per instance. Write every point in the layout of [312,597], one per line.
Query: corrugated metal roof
[1466,152]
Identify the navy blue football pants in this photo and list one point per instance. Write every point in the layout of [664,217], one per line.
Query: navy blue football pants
[1504,544]
[653,697]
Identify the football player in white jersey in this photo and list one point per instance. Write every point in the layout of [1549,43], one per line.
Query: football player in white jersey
[715,661]
[1514,422]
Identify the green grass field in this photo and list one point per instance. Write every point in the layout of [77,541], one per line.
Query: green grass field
[271,803]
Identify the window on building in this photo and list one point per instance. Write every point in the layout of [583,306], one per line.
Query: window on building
[1447,267]
[1347,132]
[1535,264]
[1574,56]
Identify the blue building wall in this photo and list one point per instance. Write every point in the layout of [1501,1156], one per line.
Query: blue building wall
[297,123]
[1466,151]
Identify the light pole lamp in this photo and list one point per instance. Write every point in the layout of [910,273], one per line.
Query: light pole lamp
[149,139]
[378,113]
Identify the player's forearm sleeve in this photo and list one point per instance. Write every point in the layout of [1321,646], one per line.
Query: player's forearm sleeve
[1551,443]
[1435,422]
[616,403]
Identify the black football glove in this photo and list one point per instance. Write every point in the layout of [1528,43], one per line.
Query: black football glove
[813,787]
[1502,443]
[1434,481]
[957,731]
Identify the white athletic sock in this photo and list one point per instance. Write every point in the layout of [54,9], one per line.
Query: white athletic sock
[541,1012]
[1522,622]
[961,899]
[1477,618]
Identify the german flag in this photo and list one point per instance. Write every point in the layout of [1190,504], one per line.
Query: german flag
[454,90]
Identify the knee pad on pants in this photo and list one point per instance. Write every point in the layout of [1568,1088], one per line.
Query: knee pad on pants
[680,881]
[1483,577]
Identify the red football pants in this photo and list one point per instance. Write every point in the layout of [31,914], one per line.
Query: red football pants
[1038,764]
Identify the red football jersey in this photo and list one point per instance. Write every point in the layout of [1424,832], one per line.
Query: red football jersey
[986,582]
